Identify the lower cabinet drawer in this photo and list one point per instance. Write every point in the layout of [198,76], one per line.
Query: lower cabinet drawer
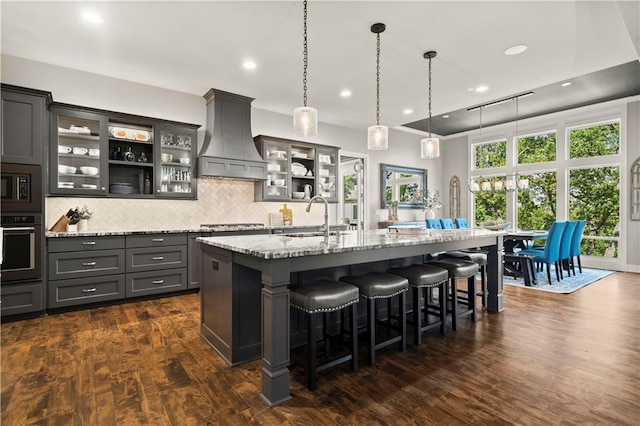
[21,298]
[68,265]
[155,282]
[154,258]
[79,291]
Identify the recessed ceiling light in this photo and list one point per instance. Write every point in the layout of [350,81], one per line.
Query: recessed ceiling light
[483,88]
[92,17]
[249,65]
[407,111]
[516,50]
[568,83]
[345,93]
[445,116]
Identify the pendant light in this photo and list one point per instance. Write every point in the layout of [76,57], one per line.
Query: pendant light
[430,147]
[305,118]
[378,136]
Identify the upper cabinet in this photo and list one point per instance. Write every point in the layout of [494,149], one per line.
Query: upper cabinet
[297,170]
[24,124]
[117,155]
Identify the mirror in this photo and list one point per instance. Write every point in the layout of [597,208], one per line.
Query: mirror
[401,184]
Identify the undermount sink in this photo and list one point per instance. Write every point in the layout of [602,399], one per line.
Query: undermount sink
[310,234]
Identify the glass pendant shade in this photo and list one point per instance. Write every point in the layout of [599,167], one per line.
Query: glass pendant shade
[377,137]
[523,183]
[510,184]
[430,148]
[305,121]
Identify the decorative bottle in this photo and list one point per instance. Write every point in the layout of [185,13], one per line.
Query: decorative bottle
[147,185]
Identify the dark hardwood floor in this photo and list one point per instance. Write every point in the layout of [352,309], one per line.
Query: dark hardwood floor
[548,359]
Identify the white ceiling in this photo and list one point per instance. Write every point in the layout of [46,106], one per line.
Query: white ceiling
[194,46]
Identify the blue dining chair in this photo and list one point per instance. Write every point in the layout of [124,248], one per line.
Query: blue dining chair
[551,252]
[447,223]
[565,246]
[433,224]
[576,241]
[461,223]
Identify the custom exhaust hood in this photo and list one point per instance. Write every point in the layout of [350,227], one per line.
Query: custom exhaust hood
[228,150]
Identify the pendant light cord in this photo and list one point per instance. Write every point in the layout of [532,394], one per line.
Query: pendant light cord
[378,79]
[305,52]
[429,122]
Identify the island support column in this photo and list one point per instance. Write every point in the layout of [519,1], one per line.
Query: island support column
[275,331]
[495,274]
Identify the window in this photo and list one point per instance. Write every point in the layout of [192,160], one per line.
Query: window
[491,205]
[490,154]
[594,141]
[537,206]
[594,195]
[538,148]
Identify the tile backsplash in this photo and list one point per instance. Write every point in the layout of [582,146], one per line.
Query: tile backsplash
[219,201]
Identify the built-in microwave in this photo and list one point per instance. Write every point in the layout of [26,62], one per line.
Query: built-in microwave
[21,188]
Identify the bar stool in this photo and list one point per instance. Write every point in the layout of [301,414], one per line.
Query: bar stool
[326,296]
[458,268]
[478,257]
[424,278]
[378,285]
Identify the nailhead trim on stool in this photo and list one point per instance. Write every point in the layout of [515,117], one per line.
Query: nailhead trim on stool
[425,277]
[378,285]
[477,257]
[459,269]
[324,296]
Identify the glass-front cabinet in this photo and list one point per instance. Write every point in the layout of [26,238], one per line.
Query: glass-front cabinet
[120,155]
[296,170]
[176,160]
[77,156]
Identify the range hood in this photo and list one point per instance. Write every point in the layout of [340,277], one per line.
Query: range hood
[228,150]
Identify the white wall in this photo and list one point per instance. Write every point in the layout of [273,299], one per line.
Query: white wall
[97,91]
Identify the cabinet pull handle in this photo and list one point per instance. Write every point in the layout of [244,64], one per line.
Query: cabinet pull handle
[157,281]
[89,243]
[157,240]
[215,264]
[89,290]
[88,263]
[158,258]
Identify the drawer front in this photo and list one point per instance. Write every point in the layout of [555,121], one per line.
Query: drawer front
[154,258]
[80,291]
[58,245]
[156,240]
[22,298]
[145,283]
[85,264]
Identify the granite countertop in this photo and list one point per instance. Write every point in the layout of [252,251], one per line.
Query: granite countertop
[271,246]
[217,228]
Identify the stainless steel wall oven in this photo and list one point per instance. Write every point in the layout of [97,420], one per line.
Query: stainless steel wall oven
[21,247]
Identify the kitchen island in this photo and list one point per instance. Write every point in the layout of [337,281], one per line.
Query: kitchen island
[246,278]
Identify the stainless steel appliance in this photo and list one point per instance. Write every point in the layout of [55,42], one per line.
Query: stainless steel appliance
[21,188]
[21,247]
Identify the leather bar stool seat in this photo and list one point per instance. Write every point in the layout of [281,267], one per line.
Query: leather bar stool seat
[324,296]
[423,279]
[378,285]
[458,269]
[478,257]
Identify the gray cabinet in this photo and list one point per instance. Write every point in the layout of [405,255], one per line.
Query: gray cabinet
[22,298]
[25,121]
[85,270]
[156,263]
[105,153]
[194,254]
[297,170]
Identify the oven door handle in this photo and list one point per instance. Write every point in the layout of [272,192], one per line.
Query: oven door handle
[22,229]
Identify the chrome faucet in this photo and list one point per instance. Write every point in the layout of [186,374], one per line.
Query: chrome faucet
[326,212]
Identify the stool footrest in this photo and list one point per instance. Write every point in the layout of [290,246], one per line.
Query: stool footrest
[333,363]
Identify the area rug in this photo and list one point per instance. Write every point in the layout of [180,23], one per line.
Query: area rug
[566,285]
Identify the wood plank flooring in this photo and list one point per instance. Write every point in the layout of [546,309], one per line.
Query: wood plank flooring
[548,359]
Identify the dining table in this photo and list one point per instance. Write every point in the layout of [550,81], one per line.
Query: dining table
[520,266]
[522,239]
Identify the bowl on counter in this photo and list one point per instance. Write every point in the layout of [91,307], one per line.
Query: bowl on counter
[69,170]
[166,158]
[297,195]
[89,171]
